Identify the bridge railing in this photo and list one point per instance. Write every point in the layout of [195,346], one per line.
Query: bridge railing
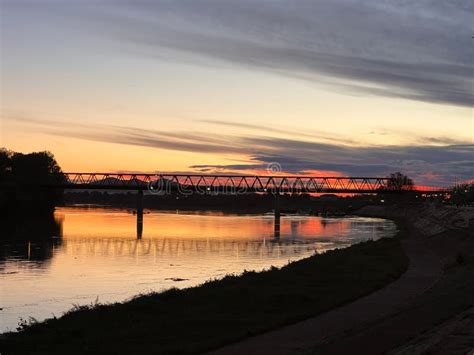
[235,184]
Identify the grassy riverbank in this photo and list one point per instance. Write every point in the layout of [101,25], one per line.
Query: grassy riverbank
[201,318]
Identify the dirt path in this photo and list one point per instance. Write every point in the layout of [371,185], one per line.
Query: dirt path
[455,336]
[424,271]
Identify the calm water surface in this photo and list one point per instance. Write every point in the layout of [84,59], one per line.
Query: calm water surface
[94,254]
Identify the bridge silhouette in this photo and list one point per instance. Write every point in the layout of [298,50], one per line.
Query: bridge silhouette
[187,184]
[237,184]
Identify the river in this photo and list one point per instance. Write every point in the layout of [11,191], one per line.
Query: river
[93,254]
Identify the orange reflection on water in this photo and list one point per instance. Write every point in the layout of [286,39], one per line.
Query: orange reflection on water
[90,222]
[95,252]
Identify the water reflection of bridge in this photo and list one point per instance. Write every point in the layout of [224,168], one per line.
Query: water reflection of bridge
[189,247]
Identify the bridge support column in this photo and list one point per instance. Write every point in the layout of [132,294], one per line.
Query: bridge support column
[139,214]
[277,216]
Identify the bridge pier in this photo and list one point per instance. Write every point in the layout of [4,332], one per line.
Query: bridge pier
[276,232]
[139,214]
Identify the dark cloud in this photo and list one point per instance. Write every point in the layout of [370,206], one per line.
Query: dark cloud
[416,50]
[432,164]
[445,163]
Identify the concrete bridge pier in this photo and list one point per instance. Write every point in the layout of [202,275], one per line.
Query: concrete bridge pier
[139,214]
[277,216]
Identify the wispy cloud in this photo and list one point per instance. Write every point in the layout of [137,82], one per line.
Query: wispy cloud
[334,138]
[416,50]
[428,163]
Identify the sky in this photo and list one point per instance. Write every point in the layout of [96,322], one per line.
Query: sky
[328,87]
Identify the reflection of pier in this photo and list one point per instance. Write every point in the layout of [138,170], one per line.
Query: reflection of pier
[186,247]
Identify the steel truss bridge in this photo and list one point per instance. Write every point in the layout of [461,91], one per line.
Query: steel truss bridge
[236,184]
[231,184]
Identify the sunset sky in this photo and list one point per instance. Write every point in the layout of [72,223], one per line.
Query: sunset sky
[344,87]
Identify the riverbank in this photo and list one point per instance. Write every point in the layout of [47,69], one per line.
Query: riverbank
[440,320]
[206,317]
[427,311]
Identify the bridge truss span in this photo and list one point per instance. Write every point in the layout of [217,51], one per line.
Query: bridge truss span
[234,184]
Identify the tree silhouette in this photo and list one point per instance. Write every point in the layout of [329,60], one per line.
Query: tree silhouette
[399,181]
[36,168]
[24,180]
[5,164]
